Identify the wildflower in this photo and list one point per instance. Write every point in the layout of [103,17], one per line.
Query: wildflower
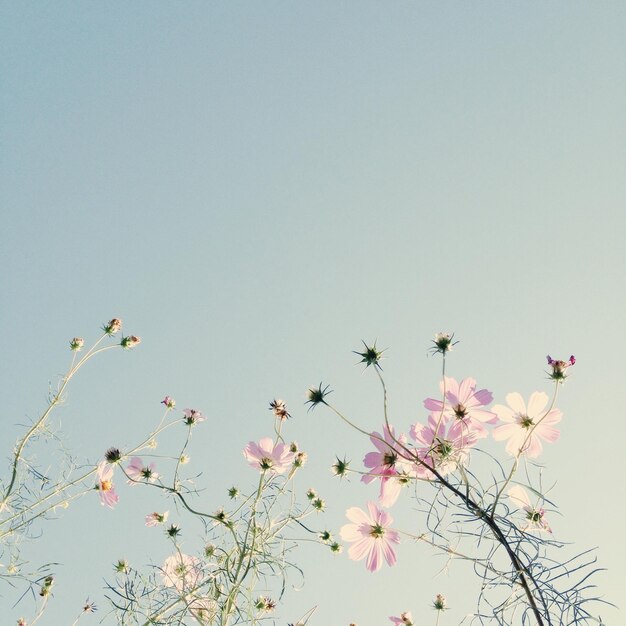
[221,517]
[318,504]
[325,536]
[439,603]
[181,572]
[173,530]
[382,464]
[559,367]
[311,494]
[192,416]
[316,396]
[76,344]
[300,459]
[371,356]
[266,455]
[113,455]
[340,467]
[444,446]
[112,327]
[169,402]
[279,408]
[405,618]
[463,402]
[130,342]
[48,581]
[22,622]
[154,519]
[89,607]
[121,567]
[535,517]
[371,536]
[525,426]
[443,343]
[137,471]
[104,485]
[233,493]
[264,603]
[336,548]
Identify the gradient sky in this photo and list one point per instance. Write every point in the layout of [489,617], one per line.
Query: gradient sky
[254,187]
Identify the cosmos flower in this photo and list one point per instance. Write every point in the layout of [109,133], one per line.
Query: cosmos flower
[535,516]
[405,619]
[181,571]
[384,464]
[444,446]
[192,416]
[104,485]
[137,471]
[526,426]
[465,403]
[265,455]
[154,519]
[370,536]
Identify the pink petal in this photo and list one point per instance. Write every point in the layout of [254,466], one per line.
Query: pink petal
[389,554]
[359,549]
[547,432]
[358,516]
[466,389]
[350,533]
[516,402]
[505,431]
[503,412]
[375,557]
[537,403]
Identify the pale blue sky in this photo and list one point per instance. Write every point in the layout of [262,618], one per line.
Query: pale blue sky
[256,187]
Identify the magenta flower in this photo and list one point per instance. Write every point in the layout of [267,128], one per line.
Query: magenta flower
[535,516]
[405,619]
[192,416]
[559,367]
[104,485]
[464,403]
[443,446]
[267,456]
[138,472]
[371,536]
[154,519]
[525,427]
[169,402]
[384,464]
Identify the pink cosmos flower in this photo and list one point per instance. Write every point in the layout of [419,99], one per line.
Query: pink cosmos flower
[444,446]
[525,427]
[104,485]
[182,572]
[192,416]
[154,519]
[267,456]
[384,464]
[371,536]
[465,403]
[169,402]
[137,471]
[405,619]
[535,516]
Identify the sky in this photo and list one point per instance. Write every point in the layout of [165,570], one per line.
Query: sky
[254,189]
